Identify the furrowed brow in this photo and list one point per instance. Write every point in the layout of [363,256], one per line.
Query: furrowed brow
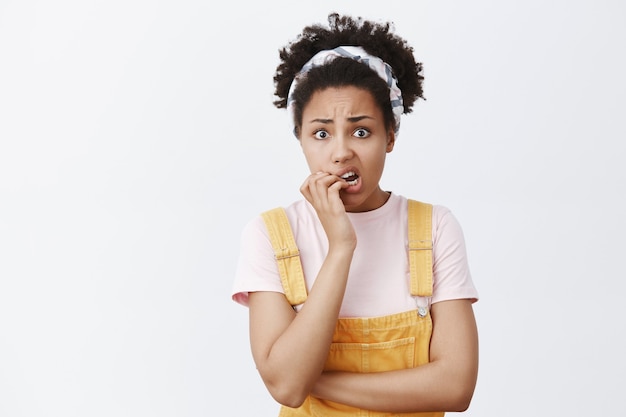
[356,119]
[323,121]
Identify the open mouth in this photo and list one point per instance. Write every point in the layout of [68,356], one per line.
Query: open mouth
[351,178]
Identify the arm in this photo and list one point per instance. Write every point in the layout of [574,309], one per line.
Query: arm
[445,384]
[290,349]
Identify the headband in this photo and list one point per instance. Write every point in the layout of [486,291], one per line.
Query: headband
[357,53]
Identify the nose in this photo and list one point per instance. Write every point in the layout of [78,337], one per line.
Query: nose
[342,150]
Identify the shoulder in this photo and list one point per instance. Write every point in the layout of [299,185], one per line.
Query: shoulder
[294,210]
[445,223]
[298,213]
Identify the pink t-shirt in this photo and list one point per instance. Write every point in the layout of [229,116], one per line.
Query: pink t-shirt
[378,281]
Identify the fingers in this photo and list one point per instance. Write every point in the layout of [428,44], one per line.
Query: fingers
[321,189]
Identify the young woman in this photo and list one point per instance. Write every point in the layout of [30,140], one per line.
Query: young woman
[360,299]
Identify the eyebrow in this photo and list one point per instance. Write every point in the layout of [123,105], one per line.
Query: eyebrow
[354,119]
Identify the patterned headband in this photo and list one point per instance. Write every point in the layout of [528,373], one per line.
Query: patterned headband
[358,54]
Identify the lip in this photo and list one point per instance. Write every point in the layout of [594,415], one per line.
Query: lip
[355,188]
[346,170]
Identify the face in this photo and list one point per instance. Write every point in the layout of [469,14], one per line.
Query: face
[343,133]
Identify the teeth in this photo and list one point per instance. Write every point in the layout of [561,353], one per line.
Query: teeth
[350,175]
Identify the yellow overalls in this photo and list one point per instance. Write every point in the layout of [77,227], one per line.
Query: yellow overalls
[375,344]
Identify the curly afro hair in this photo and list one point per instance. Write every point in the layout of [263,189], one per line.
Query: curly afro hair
[377,39]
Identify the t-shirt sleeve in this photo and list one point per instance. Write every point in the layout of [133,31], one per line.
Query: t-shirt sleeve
[256,267]
[451,273]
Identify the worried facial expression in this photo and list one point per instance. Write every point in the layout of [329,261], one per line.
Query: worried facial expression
[344,133]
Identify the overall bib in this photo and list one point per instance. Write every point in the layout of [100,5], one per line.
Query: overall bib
[374,344]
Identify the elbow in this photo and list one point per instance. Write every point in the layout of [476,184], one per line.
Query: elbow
[287,393]
[460,400]
[287,397]
[461,383]
[286,388]
[291,402]
[460,405]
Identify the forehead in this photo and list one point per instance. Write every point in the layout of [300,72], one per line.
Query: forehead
[347,100]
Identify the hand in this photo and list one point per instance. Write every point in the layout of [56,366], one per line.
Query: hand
[322,191]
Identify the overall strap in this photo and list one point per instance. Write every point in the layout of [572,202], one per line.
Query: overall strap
[287,255]
[420,248]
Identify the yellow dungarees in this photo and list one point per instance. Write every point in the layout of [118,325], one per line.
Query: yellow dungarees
[375,344]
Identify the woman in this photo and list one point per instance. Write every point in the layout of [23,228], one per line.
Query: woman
[359,298]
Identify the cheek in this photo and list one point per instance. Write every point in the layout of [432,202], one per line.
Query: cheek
[380,163]
[312,158]
[378,158]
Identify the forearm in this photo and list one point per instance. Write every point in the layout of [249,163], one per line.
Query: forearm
[429,387]
[296,358]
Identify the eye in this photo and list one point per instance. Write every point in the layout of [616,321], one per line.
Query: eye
[321,134]
[361,133]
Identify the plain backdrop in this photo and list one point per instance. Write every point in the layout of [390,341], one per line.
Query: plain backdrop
[138,137]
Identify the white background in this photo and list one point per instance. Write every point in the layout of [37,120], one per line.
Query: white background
[138,137]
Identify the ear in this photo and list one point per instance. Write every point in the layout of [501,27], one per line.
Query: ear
[391,140]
